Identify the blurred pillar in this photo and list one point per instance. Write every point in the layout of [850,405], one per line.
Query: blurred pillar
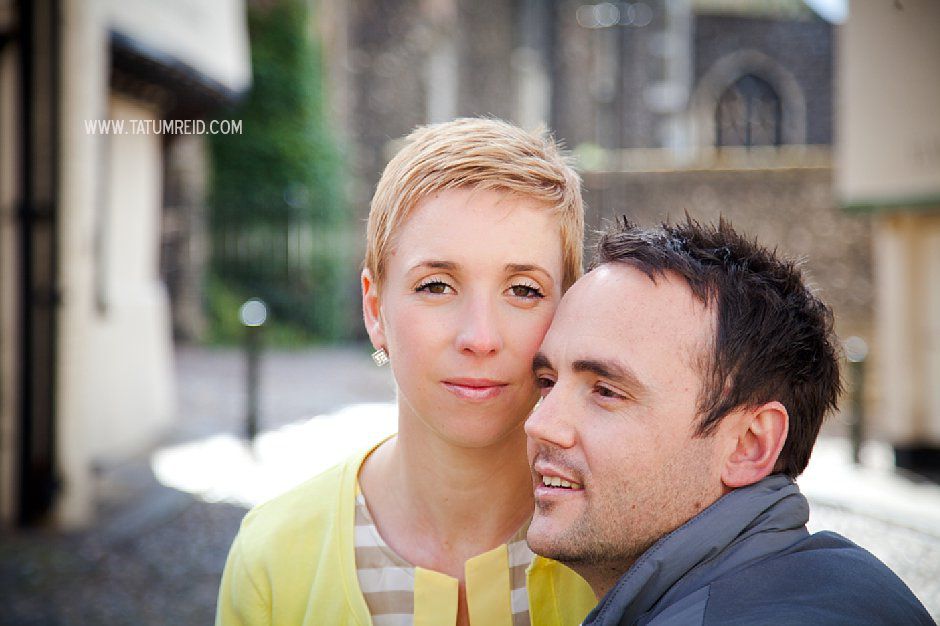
[39,282]
[441,66]
[856,350]
[330,20]
[184,240]
[530,61]
[889,165]
[485,37]
[252,315]
[907,275]
[9,267]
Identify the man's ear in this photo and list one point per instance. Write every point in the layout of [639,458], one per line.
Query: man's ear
[372,311]
[756,439]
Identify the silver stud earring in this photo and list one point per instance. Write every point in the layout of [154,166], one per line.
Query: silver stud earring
[380,357]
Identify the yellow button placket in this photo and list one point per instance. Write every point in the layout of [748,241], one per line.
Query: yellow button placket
[488,592]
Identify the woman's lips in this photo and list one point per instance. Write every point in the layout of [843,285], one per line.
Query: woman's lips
[474,389]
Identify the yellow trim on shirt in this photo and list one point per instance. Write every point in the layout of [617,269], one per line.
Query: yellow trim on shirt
[435,598]
[489,588]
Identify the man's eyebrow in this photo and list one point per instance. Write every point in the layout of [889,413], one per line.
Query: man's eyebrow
[610,369]
[540,361]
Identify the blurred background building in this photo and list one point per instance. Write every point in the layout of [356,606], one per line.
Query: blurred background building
[706,106]
[889,168]
[86,373]
[124,256]
[115,246]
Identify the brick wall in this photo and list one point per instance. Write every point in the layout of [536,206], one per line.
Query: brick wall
[792,209]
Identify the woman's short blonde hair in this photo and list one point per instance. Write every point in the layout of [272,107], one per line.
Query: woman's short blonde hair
[476,153]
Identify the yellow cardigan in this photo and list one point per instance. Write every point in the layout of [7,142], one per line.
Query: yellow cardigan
[293,563]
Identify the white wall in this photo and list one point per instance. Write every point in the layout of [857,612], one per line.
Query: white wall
[888,127]
[888,155]
[907,276]
[209,35]
[130,358]
[114,391]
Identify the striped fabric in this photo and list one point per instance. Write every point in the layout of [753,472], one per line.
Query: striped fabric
[388,581]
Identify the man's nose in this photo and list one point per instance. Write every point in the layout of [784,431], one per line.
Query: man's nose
[480,332]
[550,422]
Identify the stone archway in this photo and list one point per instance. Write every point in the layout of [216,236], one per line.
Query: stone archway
[729,69]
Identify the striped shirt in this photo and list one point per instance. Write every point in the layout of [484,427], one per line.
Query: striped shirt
[388,581]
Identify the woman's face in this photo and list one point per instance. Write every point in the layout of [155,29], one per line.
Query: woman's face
[470,288]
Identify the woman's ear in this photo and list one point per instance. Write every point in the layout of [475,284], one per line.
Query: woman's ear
[372,311]
[756,439]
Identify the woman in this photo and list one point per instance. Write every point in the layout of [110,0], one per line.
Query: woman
[474,232]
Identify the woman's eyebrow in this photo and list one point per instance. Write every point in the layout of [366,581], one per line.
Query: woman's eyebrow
[515,268]
[435,265]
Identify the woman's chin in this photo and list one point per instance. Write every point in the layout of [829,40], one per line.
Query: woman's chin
[467,424]
[465,434]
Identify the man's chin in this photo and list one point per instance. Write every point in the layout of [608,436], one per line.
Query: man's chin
[565,543]
[546,539]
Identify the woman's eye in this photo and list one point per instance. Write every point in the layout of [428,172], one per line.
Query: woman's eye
[434,286]
[526,291]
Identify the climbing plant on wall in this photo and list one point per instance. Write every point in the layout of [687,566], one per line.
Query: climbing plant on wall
[279,227]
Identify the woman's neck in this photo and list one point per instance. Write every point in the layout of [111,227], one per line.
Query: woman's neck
[437,504]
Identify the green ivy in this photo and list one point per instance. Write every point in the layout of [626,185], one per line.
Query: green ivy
[278,182]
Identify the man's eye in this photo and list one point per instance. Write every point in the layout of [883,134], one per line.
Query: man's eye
[435,287]
[526,291]
[607,392]
[544,384]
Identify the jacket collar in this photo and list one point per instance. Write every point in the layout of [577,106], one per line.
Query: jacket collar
[698,551]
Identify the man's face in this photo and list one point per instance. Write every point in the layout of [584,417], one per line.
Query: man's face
[620,371]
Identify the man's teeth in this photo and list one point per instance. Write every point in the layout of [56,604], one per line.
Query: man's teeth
[557,481]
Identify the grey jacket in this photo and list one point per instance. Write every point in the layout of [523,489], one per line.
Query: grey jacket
[748,559]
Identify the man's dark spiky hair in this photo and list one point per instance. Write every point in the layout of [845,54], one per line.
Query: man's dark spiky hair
[774,338]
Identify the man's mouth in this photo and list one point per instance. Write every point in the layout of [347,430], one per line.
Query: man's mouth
[558,481]
[554,478]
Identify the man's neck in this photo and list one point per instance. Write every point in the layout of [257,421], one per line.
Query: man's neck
[602,577]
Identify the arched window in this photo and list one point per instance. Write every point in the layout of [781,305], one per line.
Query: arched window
[748,114]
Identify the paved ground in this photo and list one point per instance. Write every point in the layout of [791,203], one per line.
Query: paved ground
[167,520]
[157,553]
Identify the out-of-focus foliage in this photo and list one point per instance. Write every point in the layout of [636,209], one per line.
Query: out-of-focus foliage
[277,190]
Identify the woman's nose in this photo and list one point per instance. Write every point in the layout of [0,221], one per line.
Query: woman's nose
[480,333]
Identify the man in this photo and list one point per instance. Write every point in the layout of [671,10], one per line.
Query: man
[684,382]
